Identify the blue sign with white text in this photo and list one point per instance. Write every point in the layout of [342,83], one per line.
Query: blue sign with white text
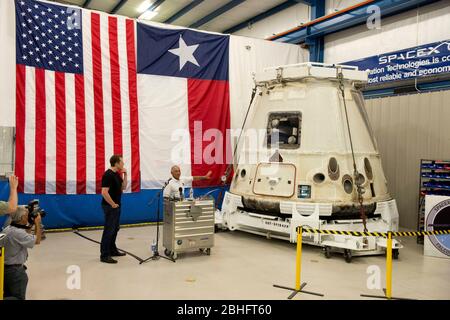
[426,60]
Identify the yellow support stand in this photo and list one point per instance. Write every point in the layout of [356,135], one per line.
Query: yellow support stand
[389,267]
[2,270]
[298,261]
[298,270]
[388,289]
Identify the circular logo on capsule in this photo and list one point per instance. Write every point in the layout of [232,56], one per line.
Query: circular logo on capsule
[439,219]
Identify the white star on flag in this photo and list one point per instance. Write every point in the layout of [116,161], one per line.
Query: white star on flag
[185,53]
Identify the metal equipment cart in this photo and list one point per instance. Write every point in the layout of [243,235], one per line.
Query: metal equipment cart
[188,226]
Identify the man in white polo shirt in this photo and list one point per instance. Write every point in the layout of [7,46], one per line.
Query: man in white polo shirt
[172,190]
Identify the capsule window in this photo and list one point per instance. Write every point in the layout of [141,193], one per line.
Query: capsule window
[333,169]
[372,190]
[284,130]
[319,177]
[347,183]
[243,173]
[368,169]
[360,179]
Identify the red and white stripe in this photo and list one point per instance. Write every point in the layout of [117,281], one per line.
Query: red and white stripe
[68,125]
[175,139]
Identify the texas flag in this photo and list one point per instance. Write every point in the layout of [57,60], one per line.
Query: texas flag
[184,105]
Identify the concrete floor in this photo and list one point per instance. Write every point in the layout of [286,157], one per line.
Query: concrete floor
[241,266]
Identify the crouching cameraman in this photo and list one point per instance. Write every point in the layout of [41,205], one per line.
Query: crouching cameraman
[17,242]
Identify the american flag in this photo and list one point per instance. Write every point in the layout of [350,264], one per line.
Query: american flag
[76,98]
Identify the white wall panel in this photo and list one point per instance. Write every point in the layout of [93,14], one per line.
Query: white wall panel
[397,32]
[279,22]
[6,150]
[409,128]
[7,63]
[249,55]
[290,18]
[336,5]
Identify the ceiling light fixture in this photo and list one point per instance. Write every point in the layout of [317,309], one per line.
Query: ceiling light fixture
[149,9]
[148,15]
[143,6]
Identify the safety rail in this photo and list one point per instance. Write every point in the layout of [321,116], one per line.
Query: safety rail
[388,291]
[378,234]
[2,271]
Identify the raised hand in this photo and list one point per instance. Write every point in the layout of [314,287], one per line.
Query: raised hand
[13,182]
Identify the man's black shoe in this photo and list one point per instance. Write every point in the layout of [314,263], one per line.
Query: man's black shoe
[108,260]
[118,254]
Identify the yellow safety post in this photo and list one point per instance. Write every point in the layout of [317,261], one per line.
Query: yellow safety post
[388,289]
[389,266]
[298,268]
[298,271]
[2,270]
[388,235]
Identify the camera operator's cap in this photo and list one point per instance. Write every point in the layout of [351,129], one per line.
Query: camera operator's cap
[19,213]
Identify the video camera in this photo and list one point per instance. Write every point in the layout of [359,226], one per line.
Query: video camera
[34,210]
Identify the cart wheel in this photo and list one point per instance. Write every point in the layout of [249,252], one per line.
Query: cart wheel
[327,252]
[395,254]
[208,251]
[348,255]
[167,252]
[174,256]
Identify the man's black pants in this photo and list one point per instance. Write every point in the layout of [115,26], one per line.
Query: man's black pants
[16,281]
[112,226]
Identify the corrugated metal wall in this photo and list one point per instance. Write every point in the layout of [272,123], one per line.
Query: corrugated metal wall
[6,149]
[409,128]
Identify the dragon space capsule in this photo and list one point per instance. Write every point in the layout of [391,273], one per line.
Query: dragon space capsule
[317,164]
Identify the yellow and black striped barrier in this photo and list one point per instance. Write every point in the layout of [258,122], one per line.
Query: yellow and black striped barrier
[2,270]
[377,234]
[388,235]
[298,270]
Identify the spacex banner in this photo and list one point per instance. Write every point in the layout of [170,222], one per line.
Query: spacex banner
[426,60]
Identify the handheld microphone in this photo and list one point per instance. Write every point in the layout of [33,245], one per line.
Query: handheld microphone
[181,192]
